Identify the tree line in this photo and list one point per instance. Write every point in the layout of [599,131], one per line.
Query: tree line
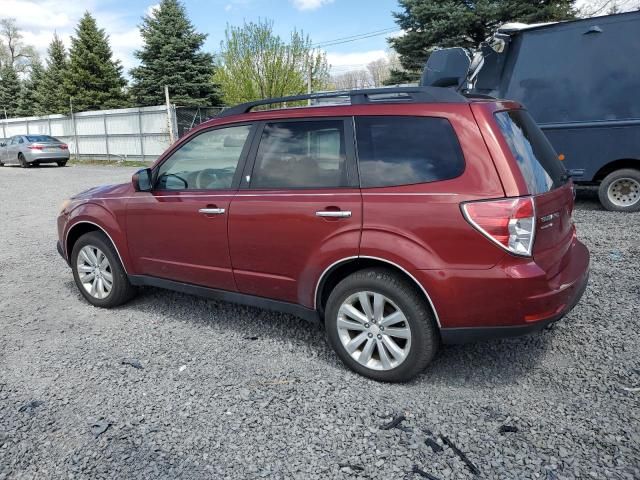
[253,62]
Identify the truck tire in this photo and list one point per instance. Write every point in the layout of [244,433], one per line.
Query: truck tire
[620,190]
[381,326]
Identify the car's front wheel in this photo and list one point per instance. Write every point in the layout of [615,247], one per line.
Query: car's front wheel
[98,273]
[381,326]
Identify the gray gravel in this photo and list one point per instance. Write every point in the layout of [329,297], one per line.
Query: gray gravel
[210,401]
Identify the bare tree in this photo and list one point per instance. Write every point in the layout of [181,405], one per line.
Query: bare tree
[379,71]
[594,8]
[12,50]
[351,79]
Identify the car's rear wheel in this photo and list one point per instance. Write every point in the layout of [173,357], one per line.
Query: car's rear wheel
[381,326]
[23,161]
[620,190]
[98,273]
[62,163]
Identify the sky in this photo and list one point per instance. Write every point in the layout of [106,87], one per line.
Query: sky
[322,20]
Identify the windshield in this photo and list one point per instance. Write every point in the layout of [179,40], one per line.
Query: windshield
[532,151]
[41,138]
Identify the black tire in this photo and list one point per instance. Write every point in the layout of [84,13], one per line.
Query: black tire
[608,199]
[425,338]
[122,291]
[62,163]
[23,161]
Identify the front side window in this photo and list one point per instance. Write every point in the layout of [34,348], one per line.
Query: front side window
[536,158]
[206,162]
[304,154]
[406,150]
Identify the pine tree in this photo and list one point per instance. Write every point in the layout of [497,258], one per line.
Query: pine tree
[462,23]
[93,80]
[29,101]
[9,91]
[172,55]
[53,97]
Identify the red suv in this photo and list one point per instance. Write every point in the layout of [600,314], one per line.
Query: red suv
[401,218]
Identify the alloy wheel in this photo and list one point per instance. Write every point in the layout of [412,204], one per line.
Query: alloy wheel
[94,272]
[374,330]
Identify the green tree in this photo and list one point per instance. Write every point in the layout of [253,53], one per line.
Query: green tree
[255,63]
[461,23]
[53,97]
[9,91]
[94,79]
[172,55]
[29,100]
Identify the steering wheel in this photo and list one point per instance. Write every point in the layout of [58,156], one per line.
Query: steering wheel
[167,175]
[205,178]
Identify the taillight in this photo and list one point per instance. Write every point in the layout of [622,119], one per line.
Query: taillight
[35,147]
[64,146]
[509,223]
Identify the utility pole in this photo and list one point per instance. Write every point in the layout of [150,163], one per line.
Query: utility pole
[169,122]
[75,128]
[310,78]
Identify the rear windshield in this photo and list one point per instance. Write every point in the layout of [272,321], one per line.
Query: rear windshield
[41,138]
[536,157]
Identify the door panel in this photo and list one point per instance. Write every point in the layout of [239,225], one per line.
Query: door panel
[299,211]
[179,230]
[170,238]
[279,245]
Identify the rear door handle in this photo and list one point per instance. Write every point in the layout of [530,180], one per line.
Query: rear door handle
[333,214]
[212,211]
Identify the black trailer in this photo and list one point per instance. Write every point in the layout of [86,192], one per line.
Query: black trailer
[580,80]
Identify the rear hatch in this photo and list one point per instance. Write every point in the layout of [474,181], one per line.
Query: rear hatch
[548,182]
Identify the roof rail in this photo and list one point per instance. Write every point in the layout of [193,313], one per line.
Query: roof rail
[363,96]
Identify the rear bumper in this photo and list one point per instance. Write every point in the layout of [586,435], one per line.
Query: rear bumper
[46,157]
[478,334]
[513,298]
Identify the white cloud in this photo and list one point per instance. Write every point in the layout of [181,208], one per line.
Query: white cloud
[310,4]
[228,7]
[342,62]
[40,19]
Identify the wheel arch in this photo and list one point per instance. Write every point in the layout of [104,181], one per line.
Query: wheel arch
[337,271]
[614,165]
[85,226]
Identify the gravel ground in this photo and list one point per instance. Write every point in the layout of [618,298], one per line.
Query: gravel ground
[233,392]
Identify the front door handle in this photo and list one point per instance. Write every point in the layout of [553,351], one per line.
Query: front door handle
[212,211]
[333,214]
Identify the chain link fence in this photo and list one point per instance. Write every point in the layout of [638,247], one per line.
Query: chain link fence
[188,118]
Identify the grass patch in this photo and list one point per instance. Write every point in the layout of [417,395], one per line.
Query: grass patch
[112,163]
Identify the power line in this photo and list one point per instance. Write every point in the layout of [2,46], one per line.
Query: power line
[354,38]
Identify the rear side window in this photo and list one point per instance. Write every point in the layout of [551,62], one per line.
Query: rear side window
[406,150]
[304,154]
[538,161]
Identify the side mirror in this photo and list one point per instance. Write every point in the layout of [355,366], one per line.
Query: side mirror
[142,180]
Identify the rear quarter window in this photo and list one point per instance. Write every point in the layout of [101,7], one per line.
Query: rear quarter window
[536,158]
[406,150]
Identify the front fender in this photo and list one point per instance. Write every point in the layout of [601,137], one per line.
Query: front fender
[110,221]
